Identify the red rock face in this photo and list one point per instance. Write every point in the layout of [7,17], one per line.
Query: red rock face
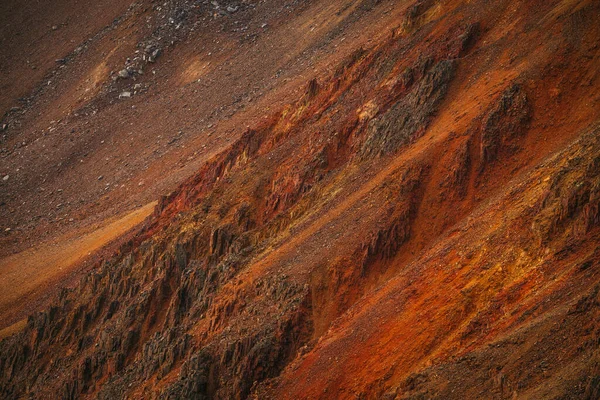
[422,221]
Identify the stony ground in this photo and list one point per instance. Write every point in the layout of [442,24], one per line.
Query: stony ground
[364,199]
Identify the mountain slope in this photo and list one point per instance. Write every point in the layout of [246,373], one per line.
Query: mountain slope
[421,221]
[77,154]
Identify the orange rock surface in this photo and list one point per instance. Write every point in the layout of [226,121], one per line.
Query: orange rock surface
[406,207]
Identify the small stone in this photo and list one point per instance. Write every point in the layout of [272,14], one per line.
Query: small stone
[137,86]
[54,27]
[7,230]
[5,178]
[125,95]
[101,177]
[155,54]
[232,9]
[124,73]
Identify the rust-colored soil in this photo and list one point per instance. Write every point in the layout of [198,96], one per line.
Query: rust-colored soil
[348,199]
[36,274]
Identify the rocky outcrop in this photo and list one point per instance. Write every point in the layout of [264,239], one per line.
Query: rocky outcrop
[406,120]
[477,302]
[385,242]
[458,176]
[168,307]
[312,246]
[504,124]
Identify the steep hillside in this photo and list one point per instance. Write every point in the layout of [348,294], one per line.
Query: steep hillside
[76,153]
[414,215]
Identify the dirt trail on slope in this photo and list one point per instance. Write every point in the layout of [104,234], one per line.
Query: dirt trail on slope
[31,275]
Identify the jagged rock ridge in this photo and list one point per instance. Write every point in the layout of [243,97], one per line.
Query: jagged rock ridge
[365,240]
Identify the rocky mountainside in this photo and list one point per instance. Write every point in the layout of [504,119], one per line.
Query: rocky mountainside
[415,216]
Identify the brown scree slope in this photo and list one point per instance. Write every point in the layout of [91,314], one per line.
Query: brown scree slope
[421,220]
[77,156]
